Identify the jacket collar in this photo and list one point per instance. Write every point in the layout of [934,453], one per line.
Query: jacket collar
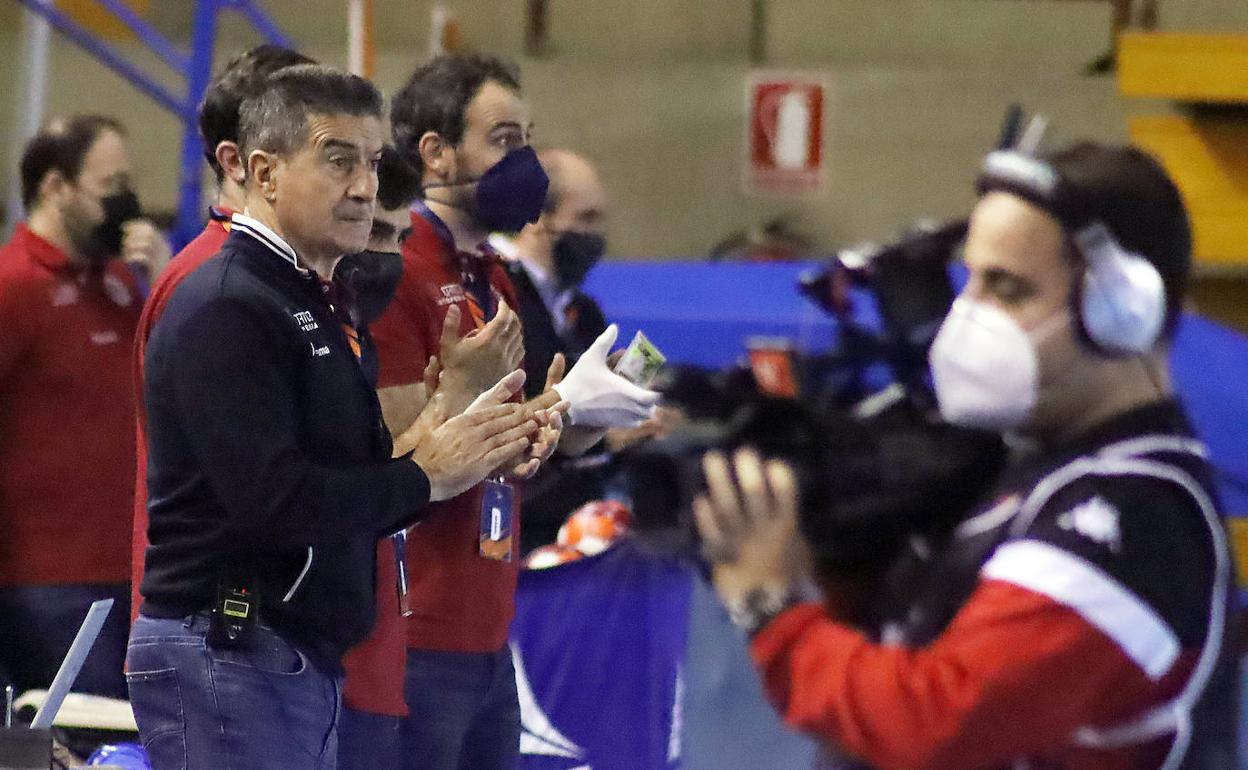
[1162,417]
[555,299]
[263,234]
[44,252]
[221,215]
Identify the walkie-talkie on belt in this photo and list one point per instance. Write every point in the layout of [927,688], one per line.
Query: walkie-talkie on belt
[234,613]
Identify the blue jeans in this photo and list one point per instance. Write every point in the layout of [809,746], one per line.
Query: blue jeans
[38,623]
[464,711]
[201,707]
[369,741]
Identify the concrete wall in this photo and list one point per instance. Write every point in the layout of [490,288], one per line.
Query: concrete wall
[654,90]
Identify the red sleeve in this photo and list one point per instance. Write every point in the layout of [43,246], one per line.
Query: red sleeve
[401,336]
[1015,674]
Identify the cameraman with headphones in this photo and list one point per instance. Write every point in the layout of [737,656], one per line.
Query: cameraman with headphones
[1078,618]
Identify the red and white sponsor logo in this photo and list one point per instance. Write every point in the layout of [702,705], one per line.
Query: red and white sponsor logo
[451,293]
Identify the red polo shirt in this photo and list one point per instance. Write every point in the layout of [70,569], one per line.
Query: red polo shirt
[66,416]
[195,253]
[375,667]
[462,602]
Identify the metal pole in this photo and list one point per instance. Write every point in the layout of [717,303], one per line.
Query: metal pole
[758,32]
[263,23]
[36,34]
[41,15]
[439,20]
[157,42]
[190,173]
[536,28]
[360,53]
[107,55]
[370,40]
[355,37]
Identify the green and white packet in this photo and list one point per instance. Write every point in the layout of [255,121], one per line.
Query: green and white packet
[640,362]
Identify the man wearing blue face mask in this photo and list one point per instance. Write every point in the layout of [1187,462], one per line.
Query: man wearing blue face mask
[461,122]
[1080,617]
[549,260]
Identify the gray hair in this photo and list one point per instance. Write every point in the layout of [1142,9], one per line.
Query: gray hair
[276,121]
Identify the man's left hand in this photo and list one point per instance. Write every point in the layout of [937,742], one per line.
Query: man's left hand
[549,405]
[749,528]
[144,245]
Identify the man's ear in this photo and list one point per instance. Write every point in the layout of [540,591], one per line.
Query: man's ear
[52,187]
[436,155]
[231,162]
[262,170]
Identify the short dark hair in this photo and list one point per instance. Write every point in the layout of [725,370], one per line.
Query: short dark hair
[398,184]
[243,77]
[62,145]
[437,95]
[277,120]
[1128,191]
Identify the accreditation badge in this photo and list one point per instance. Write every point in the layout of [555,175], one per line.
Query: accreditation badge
[498,508]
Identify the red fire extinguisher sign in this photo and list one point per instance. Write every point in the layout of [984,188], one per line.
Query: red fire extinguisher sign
[784,134]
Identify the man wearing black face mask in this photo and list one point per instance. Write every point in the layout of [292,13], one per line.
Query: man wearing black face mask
[372,691]
[69,307]
[366,281]
[549,260]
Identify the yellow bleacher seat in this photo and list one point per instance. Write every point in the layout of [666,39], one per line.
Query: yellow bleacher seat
[1208,157]
[1184,67]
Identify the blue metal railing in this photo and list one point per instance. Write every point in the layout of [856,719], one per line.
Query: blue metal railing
[145,32]
[195,69]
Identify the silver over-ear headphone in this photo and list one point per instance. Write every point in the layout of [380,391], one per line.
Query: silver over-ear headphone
[1122,298]
[1119,301]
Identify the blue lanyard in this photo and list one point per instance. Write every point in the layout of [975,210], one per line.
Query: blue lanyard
[474,281]
[439,227]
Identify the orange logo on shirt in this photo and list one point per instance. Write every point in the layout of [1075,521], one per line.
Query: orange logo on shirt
[475,312]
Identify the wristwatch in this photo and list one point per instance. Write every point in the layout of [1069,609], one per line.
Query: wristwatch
[759,606]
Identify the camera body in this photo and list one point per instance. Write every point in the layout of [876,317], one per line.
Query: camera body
[873,474]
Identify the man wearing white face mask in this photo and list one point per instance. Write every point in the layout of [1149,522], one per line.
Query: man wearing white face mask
[1079,618]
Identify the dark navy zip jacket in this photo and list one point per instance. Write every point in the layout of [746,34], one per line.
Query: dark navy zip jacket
[268,454]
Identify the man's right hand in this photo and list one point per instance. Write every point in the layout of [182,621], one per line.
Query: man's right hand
[479,359]
[458,453]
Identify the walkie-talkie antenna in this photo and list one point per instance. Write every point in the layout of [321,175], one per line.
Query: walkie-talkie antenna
[1010,125]
[1033,137]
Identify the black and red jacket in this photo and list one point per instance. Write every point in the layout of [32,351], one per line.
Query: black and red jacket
[1079,620]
